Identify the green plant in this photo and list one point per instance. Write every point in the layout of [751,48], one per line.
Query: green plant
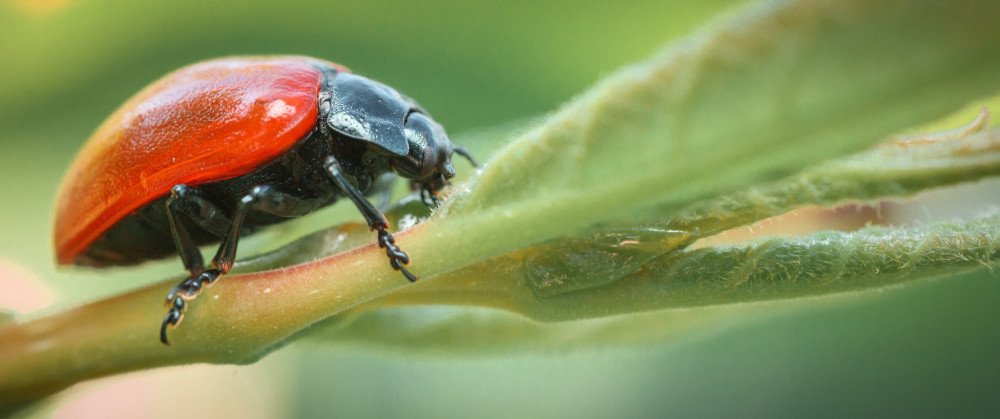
[589,213]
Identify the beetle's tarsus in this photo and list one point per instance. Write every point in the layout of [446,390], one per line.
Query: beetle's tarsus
[188,289]
[397,257]
[174,317]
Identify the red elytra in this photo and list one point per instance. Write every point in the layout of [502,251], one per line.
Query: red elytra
[203,123]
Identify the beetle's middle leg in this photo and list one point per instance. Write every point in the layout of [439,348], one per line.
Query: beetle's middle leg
[190,202]
[375,219]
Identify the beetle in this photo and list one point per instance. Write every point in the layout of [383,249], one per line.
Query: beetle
[218,149]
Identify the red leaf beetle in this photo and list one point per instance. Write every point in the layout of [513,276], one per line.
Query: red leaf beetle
[221,148]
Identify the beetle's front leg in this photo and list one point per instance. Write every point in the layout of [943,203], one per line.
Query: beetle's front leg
[375,219]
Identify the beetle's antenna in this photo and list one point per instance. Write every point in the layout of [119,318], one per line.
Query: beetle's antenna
[464,152]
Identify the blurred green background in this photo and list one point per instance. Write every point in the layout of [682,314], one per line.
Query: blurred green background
[69,64]
[928,347]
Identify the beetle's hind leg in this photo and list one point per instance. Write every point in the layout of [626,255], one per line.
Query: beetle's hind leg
[190,202]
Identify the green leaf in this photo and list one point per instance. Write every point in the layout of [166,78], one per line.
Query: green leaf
[644,266]
[697,138]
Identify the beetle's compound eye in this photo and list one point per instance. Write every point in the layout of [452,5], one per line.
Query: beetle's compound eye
[424,155]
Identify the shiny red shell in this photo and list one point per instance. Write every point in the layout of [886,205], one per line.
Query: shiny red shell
[207,122]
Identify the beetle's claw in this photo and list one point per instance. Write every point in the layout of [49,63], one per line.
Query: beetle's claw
[174,317]
[397,257]
[395,265]
[186,290]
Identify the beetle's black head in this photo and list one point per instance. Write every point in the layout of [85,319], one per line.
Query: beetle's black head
[416,146]
[428,161]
